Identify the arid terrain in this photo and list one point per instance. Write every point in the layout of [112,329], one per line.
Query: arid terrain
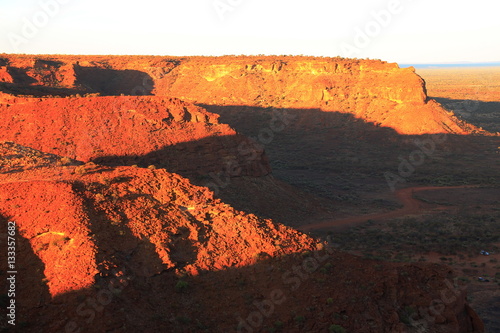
[471,92]
[249,194]
[449,222]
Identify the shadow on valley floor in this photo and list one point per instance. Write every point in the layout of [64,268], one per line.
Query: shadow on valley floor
[332,157]
[217,156]
[310,147]
[481,114]
[322,161]
[38,90]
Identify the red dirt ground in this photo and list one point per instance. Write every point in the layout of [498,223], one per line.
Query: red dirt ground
[405,197]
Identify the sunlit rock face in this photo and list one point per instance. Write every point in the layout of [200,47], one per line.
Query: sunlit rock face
[372,90]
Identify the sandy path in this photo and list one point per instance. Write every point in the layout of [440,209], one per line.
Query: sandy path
[405,196]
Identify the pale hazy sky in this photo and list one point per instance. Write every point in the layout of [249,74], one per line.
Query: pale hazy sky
[404,31]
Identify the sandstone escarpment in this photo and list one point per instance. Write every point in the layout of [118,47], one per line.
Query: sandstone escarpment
[69,75]
[29,71]
[376,91]
[297,82]
[164,132]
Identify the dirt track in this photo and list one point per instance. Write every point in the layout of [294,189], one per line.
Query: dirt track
[405,196]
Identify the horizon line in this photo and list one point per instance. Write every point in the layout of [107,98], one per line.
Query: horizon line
[401,64]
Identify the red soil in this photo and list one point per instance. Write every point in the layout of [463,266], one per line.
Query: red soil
[5,76]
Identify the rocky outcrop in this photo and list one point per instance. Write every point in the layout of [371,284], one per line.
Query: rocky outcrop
[5,76]
[82,75]
[164,132]
[28,71]
[53,73]
[160,254]
[297,82]
[378,92]
[161,220]
[17,158]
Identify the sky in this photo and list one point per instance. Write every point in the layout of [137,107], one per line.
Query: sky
[403,31]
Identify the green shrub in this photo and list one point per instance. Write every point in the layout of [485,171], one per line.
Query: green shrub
[181,286]
[184,320]
[336,329]
[406,314]
[464,279]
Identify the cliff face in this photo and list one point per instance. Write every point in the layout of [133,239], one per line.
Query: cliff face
[167,133]
[375,91]
[330,84]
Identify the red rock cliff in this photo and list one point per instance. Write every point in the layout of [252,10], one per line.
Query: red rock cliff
[376,91]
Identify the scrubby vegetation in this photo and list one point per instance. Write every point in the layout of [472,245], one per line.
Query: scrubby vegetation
[447,234]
